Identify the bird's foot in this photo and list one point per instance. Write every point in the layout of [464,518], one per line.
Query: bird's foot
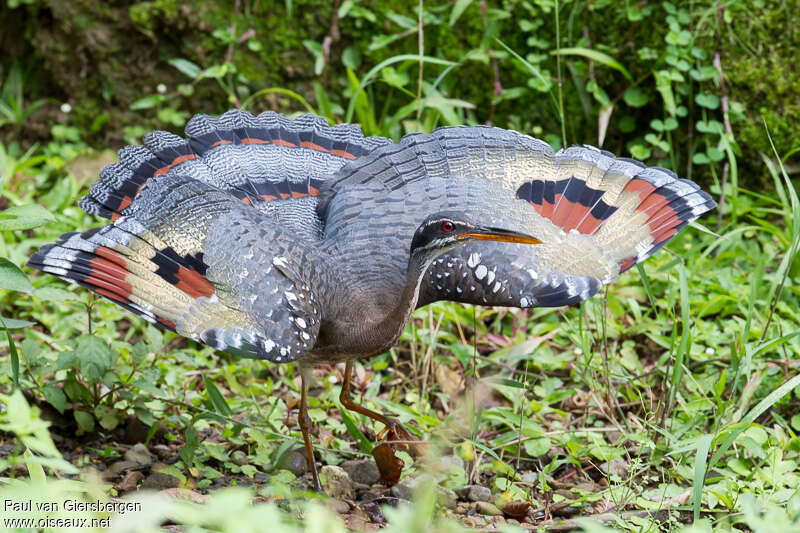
[395,433]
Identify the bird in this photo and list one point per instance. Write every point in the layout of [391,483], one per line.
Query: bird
[289,239]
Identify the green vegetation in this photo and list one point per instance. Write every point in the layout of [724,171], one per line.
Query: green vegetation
[670,400]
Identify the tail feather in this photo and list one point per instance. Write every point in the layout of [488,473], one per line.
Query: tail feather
[257,159]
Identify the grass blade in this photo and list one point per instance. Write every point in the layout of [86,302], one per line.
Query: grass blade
[700,463]
[368,77]
[13,353]
[599,57]
[750,417]
[685,344]
[362,441]
[217,399]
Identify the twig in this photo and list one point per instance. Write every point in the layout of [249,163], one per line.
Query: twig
[420,50]
[725,170]
[333,36]
[497,86]
[229,55]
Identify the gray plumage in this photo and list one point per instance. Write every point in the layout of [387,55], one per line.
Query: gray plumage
[290,239]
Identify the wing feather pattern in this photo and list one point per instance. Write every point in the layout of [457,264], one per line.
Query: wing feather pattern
[597,214]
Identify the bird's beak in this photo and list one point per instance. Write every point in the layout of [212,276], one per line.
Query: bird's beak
[498,235]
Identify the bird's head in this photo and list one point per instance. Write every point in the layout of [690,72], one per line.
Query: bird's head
[441,232]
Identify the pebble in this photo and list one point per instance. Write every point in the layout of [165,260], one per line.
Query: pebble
[338,506]
[408,486]
[405,488]
[295,462]
[337,483]
[362,471]
[448,462]
[615,467]
[239,458]
[487,508]
[139,454]
[475,493]
[474,521]
[163,451]
[446,497]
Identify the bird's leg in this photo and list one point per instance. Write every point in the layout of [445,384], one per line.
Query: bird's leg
[305,422]
[392,425]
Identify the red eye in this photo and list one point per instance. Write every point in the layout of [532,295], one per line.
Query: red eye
[448,226]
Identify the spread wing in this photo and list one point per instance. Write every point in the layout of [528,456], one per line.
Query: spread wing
[210,235]
[596,214]
[193,259]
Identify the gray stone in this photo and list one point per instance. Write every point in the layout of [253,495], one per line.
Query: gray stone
[295,462]
[615,467]
[409,485]
[362,471]
[239,458]
[139,454]
[163,451]
[338,506]
[488,509]
[475,493]
[337,483]
[446,497]
[448,462]
[406,487]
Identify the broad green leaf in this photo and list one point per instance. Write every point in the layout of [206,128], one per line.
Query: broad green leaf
[635,97]
[600,57]
[55,397]
[54,294]
[147,102]
[106,417]
[24,217]
[14,323]
[92,355]
[85,421]
[537,447]
[710,101]
[351,57]
[12,278]
[186,66]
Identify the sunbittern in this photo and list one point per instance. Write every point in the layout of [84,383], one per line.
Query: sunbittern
[292,240]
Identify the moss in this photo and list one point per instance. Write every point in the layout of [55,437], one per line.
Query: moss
[764,74]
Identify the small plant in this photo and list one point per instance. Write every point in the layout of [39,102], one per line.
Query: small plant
[13,108]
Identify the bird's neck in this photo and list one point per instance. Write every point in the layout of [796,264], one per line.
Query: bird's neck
[365,329]
[391,324]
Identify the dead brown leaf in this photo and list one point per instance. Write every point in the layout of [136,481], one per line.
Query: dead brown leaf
[517,510]
[389,465]
[130,480]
